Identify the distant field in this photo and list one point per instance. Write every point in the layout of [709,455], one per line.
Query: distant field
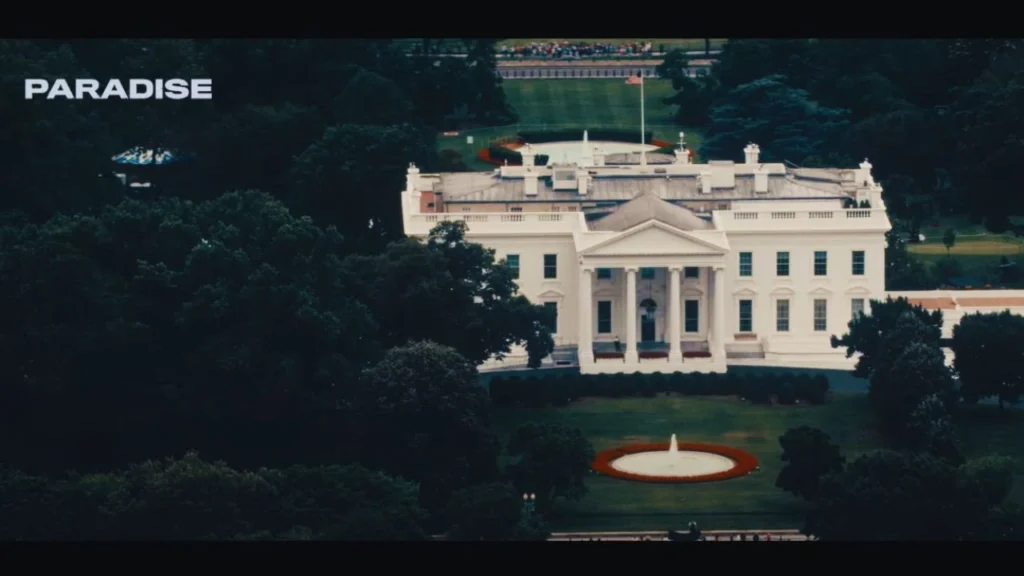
[668,43]
[980,245]
[582,104]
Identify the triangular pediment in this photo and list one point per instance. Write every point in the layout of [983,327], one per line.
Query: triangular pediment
[654,238]
[820,291]
[858,291]
[692,291]
[551,293]
[608,293]
[745,292]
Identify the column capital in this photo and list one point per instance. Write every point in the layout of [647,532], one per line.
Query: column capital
[675,268]
[631,268]
[718,267]
[588,269]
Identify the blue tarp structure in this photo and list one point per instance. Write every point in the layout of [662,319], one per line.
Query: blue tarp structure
[140,156]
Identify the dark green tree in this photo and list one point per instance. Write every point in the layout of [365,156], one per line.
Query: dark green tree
[988,356]
[867,331]
[809,455]
[551,461]
[897,496]
[424,416]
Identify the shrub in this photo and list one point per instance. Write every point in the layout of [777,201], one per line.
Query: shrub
[537,392]
[606,135]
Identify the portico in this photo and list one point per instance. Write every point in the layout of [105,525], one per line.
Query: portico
[652,295]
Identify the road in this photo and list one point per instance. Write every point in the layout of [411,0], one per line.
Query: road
[661,536]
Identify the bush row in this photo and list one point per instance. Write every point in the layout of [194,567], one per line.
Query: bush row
[784,388]
[500,154]
[607,135]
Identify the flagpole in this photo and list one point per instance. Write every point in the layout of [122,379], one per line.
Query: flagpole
[643,126]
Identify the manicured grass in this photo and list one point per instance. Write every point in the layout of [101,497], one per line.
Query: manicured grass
[980,245]
[669,43]
[581,104]
[749,502]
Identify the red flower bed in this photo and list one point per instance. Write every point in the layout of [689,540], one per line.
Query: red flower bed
[745,462]
[661,143]
[609,355]
[512,143]
[651,354]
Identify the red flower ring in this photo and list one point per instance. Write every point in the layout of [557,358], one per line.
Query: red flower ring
[745,463]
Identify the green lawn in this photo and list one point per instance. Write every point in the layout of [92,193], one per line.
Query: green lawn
[976,249]
[582,104]
[749,502]
[669,43]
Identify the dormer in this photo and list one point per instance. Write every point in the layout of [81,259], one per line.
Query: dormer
[563,177]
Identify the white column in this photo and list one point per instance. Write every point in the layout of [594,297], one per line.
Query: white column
[631,355]
[718,343]
[585,348]
[675,350]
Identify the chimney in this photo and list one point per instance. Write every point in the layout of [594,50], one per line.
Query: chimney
[582,181]
[530,181]
[705,182]
[598,156]
[864,176]
[761,180]
[528,156]
[412,179]
[682,154]
[751,154]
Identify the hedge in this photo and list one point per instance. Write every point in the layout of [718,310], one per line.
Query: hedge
[607,135]
[500,154]
[787,388]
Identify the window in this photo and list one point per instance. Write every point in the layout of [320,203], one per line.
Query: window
[746,315]
[604,273]
[551,266]
[856,307]
[604,317]
[692,315]
[516,209]
[782,263]
[691,272]
[821,263]
[465,209]
[820,315]
[746,264]
[858,262]
[513,263]
[552,307]
[782,315]
[647,273]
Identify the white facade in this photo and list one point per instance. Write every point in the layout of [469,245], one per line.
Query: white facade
[691,267]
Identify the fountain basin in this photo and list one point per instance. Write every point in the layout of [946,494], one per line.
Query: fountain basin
[690,463]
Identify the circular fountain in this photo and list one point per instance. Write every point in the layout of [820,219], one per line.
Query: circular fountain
[673,462]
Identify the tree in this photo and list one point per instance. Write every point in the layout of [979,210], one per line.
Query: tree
[917,372]
[949,239]
[902,271]
[226,326]
[930,429]
[866,331]
[343,503]
[452,292]
[423,403]
[364,161]
[885,496]
[988,356]
[994,474]
[484,512]
[782,120]
[809,455]
[552,461]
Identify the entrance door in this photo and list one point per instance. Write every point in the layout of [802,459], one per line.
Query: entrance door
[647,327]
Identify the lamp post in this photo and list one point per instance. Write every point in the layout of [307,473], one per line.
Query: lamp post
[529,503]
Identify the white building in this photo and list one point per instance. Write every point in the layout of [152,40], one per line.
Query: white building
[656,264]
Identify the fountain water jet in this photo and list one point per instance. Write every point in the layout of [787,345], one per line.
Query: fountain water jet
[673,447]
